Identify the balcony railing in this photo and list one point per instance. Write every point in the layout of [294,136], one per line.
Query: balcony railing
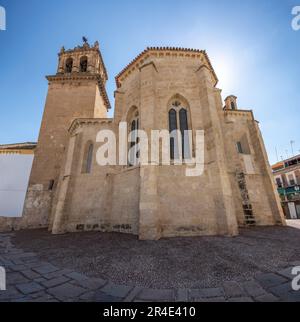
[289,193]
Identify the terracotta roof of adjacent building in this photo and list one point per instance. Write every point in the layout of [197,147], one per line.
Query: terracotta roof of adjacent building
[19,146]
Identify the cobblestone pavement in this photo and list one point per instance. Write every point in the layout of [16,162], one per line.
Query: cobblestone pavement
[29,279]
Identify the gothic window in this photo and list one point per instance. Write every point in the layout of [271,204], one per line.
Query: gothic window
[184,135]
[173,127]
[83,64]
[133,152]
[69,65]
[88,158]
[178,120]
[233,106]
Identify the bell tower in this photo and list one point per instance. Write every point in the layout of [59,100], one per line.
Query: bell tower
[231,103]
[77,90]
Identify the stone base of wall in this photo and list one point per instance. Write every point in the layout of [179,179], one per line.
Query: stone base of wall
[101,227]
[8,224]
[13,224]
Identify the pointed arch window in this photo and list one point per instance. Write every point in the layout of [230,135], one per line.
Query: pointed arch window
[179,126]
[184,127]
[173,127]
[134,126]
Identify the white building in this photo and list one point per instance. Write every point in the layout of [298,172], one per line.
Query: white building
[15,166]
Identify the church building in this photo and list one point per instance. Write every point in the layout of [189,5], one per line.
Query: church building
[162,88]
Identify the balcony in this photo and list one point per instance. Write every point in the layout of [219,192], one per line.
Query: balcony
[291,193]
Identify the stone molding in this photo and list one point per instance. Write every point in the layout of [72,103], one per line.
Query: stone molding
[91,121]
[247,113]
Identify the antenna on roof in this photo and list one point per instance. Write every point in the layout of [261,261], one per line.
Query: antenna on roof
[292,142]
[287,153]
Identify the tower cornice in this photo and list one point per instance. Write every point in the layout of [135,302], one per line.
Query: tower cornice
[82,77]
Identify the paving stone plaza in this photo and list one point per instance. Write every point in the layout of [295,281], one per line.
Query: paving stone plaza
[31,278]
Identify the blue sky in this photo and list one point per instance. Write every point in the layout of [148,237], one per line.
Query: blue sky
[252,46]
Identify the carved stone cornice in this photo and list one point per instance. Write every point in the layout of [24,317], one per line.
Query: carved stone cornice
[79,49]
[245,113]
[72,77]
[87,121]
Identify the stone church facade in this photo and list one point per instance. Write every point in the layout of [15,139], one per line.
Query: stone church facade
[68,191]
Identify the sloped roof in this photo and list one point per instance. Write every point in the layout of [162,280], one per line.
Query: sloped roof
[19,146]
[166,49]
[278,165]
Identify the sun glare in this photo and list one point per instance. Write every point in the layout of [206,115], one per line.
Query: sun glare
[225,70]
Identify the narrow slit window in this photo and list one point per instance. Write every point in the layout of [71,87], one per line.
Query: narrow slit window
[134,154]
[239,147]
[173,127]
[184,134]
[89,159]
[51,185]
